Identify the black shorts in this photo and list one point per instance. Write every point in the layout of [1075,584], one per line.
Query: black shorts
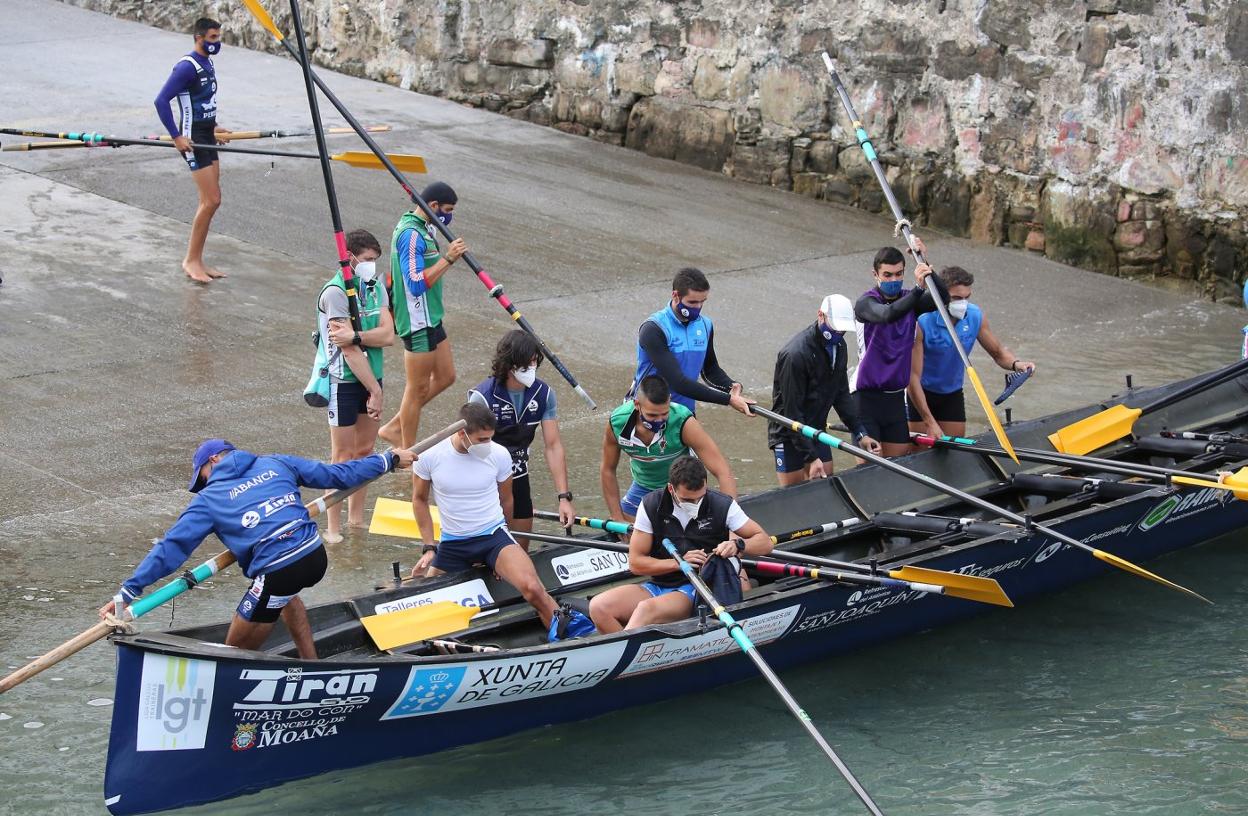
[944,407]
[460,554]
[270,593]
[425,340]
[521,497]
[347,400]
[883,413]
[202,133]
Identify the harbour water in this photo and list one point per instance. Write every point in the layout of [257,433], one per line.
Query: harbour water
[1113,697]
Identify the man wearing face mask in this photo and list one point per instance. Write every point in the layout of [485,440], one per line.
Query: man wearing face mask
[678,344]
[193,82]
[354,363]
[654,430]
[887,314]
[470,477]
[701,523]
[810,379]
[936,404]
[521,403]
[416,269]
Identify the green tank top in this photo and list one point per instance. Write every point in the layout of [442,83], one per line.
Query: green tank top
[414,312]
[371,303]
[649,464]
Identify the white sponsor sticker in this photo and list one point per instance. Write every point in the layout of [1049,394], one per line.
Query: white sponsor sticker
[469,593]
[586,564]
[453,686]
[660,654]
[175,701]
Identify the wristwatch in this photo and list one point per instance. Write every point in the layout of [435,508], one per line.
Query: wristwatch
[428,548]
[566,495]
[356,340]
[740,542]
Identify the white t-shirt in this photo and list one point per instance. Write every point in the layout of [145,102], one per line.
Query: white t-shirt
[465,488]
[736,518]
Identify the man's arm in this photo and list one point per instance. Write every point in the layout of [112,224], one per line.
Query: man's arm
[171,551]
[557,462]
[640,561]
[508,502]
[999,353]
[179,80]
[354,356]
[310,473]
[870,310]
[416,278]
[794,380]
[654,342]
[607,473]
[914,391]
[424,520]
[696,437]
[717,377]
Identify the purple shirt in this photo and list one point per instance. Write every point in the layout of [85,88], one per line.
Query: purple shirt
[884,348]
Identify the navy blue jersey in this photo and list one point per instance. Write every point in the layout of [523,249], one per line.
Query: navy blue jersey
[193,82]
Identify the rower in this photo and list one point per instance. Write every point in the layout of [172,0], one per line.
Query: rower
[810,379]
[352,360]
[415,282]
[701,523]
[247,500]
[653,430]
[888,313]
[935,402]
[521,403]
[470,476]
[677,343]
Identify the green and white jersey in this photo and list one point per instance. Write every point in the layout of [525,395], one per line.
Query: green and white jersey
[373,299]
[650,463]
[413,251]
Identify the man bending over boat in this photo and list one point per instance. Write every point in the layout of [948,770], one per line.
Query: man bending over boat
[470,476]
[701,523]
[653,430]
[252,503]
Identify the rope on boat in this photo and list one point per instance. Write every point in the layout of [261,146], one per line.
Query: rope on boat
[124,627]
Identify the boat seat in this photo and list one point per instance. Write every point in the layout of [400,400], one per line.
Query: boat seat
[1051,484]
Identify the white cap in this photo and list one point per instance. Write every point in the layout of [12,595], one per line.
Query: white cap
[839,313]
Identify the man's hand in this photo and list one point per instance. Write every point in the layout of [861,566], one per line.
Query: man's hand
[373,406]
[697,558]
[919,245]
[870,445]
[739,402]
[1024,365]
[182,143]
[222,135]
[920,275]
[114,607]
[422,566]
[341,333]
[567,513]
[456,250]
[727,549]
[933,429]
[405,457]
[816,470]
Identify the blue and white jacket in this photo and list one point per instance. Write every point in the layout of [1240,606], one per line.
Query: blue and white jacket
[246,500]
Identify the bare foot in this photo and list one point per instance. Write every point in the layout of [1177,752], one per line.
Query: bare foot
[331,537]
[215,273]
[196,272]
[389,433]
[358,524]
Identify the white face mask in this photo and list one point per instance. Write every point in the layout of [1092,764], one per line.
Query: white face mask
[367,270]
[691,508]
[957,308]
[527,375]
[480,450]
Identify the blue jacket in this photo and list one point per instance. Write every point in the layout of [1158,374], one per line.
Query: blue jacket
[248,498]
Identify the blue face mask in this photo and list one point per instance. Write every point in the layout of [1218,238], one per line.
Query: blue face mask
[891,288]
[656,425]
[687,313]
[445,218]
[212,48]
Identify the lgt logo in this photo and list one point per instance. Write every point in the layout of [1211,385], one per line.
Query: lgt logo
[175,703]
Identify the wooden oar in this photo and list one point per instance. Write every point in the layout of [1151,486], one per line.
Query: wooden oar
[1236,482]
[953,584]
[495,289]
[193,577]
[353,158]
[743,640]
[1116,422]
[864,141]
[961,495]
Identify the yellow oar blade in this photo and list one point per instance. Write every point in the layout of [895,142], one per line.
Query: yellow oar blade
[1002,439]
[1124,564]
[405,162]
[395,629]
[393,517]
[1237,483]
[263,18]
[1095,432]
[968,587]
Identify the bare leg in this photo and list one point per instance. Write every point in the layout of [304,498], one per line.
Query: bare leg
[791,478]
[443,375]
[419,368]
[612,609]
[247,635]
[207,182]
[295,616]
[514,566]
[953,428]
[341,449]
[521,526]
[892,450]
[365,437]
[673,606]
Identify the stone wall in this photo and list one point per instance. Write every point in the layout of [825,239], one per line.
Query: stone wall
[1104,133]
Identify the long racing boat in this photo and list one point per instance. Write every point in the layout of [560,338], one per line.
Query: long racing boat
[196,721]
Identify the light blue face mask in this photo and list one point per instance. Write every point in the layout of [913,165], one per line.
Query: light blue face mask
[891,288]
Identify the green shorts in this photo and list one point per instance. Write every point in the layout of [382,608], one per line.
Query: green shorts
[424,340]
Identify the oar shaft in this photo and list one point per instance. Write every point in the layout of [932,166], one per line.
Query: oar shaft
[495,290]
[1061,459]
[621,528]
[69,647]
[743,641]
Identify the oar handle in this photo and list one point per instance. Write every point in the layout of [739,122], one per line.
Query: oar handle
[1208,381]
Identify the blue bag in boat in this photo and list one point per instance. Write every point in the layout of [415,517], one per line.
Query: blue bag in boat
[571,620]
[722,577]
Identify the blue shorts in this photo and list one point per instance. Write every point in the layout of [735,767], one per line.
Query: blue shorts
[632,499]
[791,461]
[459,554]
[656,591]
